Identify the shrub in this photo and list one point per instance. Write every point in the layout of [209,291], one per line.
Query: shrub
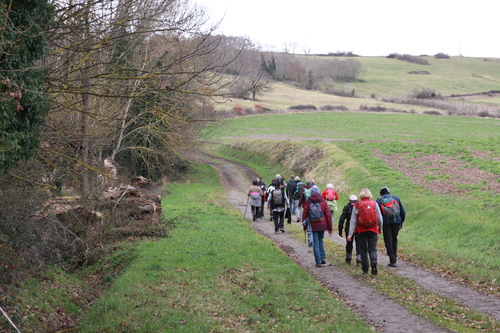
[342,54]
[333,107]
[407,57]
[441,55]
[433,113]
[258,108]
[303,107]
[340,92]
[424,93]
[238,109]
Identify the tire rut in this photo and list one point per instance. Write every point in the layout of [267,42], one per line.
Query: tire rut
[359,295]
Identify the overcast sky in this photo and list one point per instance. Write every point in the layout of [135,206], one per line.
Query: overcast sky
[365,27]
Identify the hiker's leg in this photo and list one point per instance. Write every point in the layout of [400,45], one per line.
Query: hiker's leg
[389,241]
[275,219]
[282,219]
[372,250]
[316,250]
[362,246]
[321,235]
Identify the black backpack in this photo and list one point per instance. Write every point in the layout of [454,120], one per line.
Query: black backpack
[278,198]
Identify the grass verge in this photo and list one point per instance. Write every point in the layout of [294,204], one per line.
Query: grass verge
[215,274]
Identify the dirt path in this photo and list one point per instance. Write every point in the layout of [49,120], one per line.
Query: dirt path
[355,292]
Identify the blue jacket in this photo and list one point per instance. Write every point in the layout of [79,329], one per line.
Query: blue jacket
[402,215]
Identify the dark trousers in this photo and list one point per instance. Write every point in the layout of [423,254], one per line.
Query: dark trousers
[391,231]
[255,212]
[366,243]
[279,220]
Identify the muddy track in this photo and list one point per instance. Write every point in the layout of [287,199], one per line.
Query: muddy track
[356,293]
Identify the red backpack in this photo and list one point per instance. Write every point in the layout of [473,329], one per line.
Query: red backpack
[329,194]
[367,214]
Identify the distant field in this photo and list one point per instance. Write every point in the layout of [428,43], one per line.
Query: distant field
[388,78]
[456,75]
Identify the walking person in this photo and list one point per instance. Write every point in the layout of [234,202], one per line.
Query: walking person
[316,216]
[394,215]
[366,224]
[299,188]
[263,187]
[277,203]
[331,196]
[305,193]
[344,225]
[255,199]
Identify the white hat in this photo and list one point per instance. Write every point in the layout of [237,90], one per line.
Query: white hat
[329,186]
[353,197]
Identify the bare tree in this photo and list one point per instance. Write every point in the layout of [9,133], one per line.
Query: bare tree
[127,79]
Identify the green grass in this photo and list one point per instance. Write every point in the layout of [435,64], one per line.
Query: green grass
[455,235]
[215,273]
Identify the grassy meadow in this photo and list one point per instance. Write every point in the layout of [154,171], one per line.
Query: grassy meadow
[389,78]
[455,234]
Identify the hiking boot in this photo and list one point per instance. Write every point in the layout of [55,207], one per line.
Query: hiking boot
[319,265]
[392,264]
[374,271]
[276,232]
[323,262]
[348,261]
[365,272]
[282,230]
[254,218]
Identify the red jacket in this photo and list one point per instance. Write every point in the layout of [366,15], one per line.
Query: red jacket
[326,223]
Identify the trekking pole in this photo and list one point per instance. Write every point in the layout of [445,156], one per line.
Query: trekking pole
[245,214]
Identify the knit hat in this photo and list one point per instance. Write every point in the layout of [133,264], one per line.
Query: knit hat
[314,190]
[309,182]
[384,190]
[329,186]
[353,198]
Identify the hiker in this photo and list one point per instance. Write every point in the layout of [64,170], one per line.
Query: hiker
[290,190]
[263,187]
[331,196]
[277,203]
[299,187]
[255,198]
[317,223]
[345,217]
[304,195]
[366,224]
[394,215]
[270,188]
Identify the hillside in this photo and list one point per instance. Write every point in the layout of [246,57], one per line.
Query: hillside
[387,80]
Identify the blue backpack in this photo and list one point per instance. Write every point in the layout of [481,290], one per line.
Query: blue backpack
[315,213]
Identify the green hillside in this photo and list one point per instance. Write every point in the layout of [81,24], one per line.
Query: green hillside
[385,78]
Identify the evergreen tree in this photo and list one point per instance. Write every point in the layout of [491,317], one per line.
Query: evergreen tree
[23,106]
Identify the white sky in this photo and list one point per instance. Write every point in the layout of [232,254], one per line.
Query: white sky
[365,27]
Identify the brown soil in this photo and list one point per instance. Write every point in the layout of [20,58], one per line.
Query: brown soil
[442,174]
[382,313]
